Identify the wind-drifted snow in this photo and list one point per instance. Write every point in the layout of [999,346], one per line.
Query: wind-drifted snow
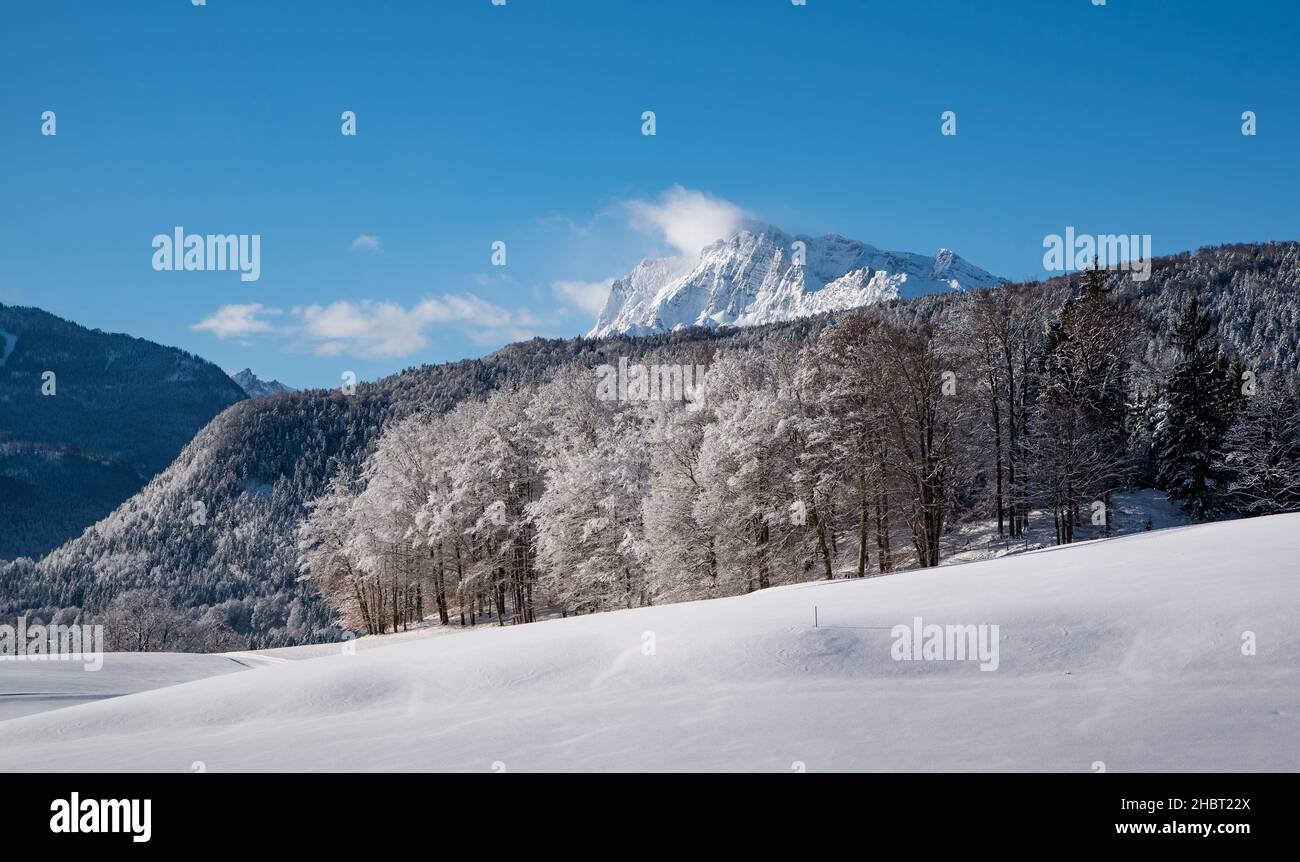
[751,279]
[1126,651]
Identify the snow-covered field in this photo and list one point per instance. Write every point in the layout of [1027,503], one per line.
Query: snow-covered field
[28,687]
[1127,652]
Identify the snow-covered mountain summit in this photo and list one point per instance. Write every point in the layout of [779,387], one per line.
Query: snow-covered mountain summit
[756,277]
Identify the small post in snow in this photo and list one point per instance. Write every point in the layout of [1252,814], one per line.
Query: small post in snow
[814,616]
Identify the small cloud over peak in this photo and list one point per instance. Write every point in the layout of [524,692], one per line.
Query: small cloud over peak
[681,221]
[687,219]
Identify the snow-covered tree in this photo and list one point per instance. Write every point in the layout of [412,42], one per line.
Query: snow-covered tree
[854,431]
[594,457]
[753,501]
[1261,461]
[495,479]
[1079,435]
[1200,405]
[325,554]
[681,556]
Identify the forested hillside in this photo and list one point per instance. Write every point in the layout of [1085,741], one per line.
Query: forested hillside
[823,443]
[215,533]
[86,418]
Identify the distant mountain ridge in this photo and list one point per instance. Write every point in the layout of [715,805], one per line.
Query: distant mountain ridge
[255,387]
[121,410]
[762,275]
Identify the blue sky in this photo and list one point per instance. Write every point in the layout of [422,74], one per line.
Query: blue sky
[522,123]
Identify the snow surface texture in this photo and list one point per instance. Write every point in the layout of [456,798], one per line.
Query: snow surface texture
[751,279]
[1126,651]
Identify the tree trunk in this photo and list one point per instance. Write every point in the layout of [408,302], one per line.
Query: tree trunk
[862,524]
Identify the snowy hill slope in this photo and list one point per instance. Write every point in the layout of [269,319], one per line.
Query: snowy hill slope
[753,278]
[1126,651]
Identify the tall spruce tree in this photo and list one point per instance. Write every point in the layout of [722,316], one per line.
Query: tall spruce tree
[1201,402]
[1079,436]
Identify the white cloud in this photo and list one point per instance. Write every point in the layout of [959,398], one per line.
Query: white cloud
[588,295]
[375,329]
[368,242]
[687,219]
[684,219]
[385,328]
[238,321]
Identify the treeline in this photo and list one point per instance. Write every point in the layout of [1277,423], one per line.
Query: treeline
[853,453]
